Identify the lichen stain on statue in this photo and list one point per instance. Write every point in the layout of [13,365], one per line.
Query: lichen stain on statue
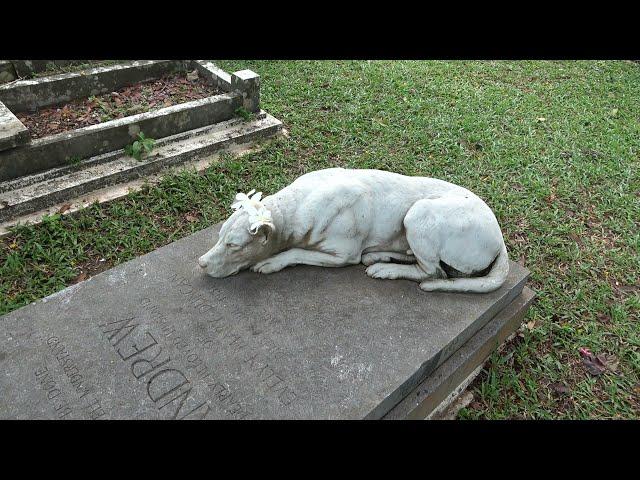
[416,228]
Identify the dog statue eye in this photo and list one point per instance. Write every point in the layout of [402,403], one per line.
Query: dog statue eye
[232,245]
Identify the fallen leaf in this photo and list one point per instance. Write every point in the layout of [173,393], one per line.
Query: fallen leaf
[531,324]
[64,208]
[614,112]
[559,388]
[80,278]
[541,119]
[609,361]
[584,351]
[191,218]
[598,364]
[593,366]
[192,76]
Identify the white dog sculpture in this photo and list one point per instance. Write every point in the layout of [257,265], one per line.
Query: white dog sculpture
[446,237]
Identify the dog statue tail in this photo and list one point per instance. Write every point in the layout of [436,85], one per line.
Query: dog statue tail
[490,282]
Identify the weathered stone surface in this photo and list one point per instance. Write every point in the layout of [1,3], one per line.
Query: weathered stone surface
[433,390]
[29,194]
[156,338]
[12,131]
[57,150]
[31,94]
[25,68]
[247,82]
[214,75]
[7,72]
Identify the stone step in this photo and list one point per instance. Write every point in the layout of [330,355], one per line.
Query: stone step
[29,194]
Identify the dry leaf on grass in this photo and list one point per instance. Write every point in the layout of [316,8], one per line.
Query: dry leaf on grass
[80,278]
[559,388]
[598,364]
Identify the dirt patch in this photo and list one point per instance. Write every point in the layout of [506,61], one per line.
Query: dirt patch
[138,98]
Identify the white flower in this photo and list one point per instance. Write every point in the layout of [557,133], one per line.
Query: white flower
[258,214]
[249,202]
[259,218]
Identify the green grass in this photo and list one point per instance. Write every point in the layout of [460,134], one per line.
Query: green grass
[553,147]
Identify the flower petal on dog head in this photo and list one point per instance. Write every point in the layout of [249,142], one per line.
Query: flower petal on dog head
[253,229]
[260,217]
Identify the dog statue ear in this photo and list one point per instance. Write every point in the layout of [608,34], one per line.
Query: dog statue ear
[264,233]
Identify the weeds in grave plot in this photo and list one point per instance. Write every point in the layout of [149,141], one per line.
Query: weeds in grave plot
[245,114]
[553,147]
[141,146]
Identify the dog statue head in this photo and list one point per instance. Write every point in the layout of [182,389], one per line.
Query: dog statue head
[244,238]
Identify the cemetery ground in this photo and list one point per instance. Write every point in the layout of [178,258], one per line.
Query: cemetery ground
[553,147]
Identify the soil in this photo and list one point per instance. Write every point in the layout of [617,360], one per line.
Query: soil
[141,97]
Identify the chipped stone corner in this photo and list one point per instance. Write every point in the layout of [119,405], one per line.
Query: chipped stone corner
[248,83]
[7,72]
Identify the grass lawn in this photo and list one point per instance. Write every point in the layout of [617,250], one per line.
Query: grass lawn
[553,147]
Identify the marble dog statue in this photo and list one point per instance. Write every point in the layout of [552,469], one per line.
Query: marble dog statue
[438,233]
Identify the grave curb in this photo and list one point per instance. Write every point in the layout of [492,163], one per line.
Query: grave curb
[52,90]
[204,144]
[56,150]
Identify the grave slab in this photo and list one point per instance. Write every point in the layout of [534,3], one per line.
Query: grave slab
[155,338]
[431,394]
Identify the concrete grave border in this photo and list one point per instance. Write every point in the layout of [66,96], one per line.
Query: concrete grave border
[26,195]
[26,68]
[33,93]
[242,90]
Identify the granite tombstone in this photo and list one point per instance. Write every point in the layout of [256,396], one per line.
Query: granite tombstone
[156,338]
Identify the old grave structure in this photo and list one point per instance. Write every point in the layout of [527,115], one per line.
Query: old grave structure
[156,338]
[67,138]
